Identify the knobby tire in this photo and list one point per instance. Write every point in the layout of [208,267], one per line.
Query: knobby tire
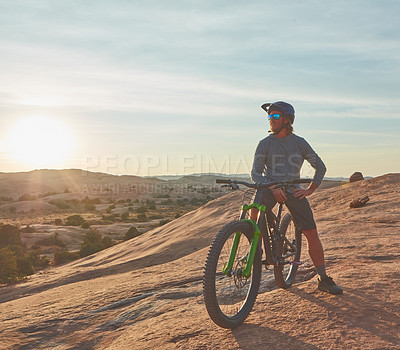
[285,273]
[229,300]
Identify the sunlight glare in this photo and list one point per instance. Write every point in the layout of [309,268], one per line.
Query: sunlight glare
[40,141]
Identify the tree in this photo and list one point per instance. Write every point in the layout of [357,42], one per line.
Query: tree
[8,266]
[9,235]
[92,243]
[131,233]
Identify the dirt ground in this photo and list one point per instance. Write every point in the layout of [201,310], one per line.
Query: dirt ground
[146,293]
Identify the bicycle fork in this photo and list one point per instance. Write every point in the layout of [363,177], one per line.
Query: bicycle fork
[253,247]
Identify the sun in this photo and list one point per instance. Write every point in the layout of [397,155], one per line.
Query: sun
[40,142]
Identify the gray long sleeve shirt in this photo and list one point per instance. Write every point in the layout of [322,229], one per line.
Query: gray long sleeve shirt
[280,159]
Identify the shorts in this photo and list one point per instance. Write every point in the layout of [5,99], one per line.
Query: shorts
[299,208]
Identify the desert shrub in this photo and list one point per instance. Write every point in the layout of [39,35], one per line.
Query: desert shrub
[24,266]
[90,248]
[141,217]
[177,216]
[92,243]
[85,224]
[37,259]
[13,209]
[131,233]
[165,221]
[58,222]
[88,200]
[64,256]
[52,240]
[141,210]
[8,266]
[74,220]
[60,204]
[155,217]
[5,199]
[9,235]
[125,216]
[107,241]
[169,201]
[26,197]
[108,218]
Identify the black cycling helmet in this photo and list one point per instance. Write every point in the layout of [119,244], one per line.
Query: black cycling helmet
[285,108]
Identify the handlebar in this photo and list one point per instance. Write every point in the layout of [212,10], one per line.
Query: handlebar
[234,183]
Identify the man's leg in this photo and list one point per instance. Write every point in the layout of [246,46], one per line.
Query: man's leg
[325,283]
[303,217]
[316,251]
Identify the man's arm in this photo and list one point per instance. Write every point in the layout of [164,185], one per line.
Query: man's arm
[320,170]
[259,161]
[315,161]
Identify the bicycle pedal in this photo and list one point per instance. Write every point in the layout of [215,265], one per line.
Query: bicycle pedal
[297,263]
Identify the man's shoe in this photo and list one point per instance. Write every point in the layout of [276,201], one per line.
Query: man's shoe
[326,284]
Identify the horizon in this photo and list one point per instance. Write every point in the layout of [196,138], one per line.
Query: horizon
[180,175]
[155,89]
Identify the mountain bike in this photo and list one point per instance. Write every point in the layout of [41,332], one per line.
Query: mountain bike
[232,272]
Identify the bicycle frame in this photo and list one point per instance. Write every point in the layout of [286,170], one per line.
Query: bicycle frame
[259,229]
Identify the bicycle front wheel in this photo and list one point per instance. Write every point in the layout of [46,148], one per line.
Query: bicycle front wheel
[229,297]
[289,250]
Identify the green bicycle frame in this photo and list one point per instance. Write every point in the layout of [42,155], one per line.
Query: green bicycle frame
[253,247]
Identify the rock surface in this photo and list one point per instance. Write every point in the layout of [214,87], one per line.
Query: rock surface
[146,293]
[357,176]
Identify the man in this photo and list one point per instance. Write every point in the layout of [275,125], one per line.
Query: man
[279,157]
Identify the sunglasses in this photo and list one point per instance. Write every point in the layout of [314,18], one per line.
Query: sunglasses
[276,116]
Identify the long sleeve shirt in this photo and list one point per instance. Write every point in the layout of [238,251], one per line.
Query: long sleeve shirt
[281,159]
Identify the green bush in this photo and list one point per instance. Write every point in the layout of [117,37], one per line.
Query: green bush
[141,217]
[60,204]
[26,197]
[9,235]
[107,242]
[64,256]
[93,243]
[131,233]
[125,216]
[141,210]
[85,224]
[52,240]
[37,259]
[58,222]
[24,266]
[163,222]
[74,220]
[8,266]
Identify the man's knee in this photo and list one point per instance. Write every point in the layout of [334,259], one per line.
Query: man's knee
[310,234]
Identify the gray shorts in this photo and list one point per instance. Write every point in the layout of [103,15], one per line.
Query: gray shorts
[299,208]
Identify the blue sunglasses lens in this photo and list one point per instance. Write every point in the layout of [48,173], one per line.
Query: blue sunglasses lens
[276,116]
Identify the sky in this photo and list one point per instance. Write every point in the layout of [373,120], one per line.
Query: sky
[175,87]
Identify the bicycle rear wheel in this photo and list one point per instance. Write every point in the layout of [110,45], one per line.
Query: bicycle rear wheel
[289,251]
[230,297]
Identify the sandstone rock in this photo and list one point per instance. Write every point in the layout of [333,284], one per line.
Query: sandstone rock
[357,176]
[359,202]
